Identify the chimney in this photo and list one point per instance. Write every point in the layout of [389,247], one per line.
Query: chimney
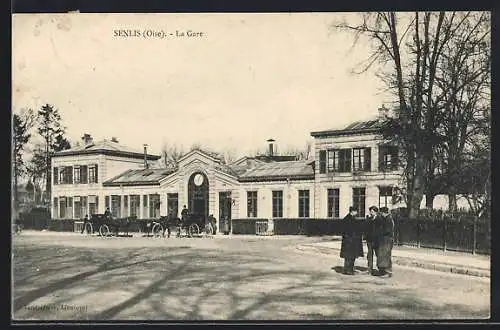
[271,147]
[383,112]
[114,139]
[87,139]
[145,156]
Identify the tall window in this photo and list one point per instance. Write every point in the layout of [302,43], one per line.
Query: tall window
[62,207]
[116,207]
[69,209]
[388,158]
[78,207]
[84,174]
[56,175]
[125,206]
[385,196]
[173,203]
[135,205]
[361,159]
[251,204]
[154,206]
[69,174]
[358,200]
[145,206]
[76,174]
[333,203]
[303,203]
[339,160]
[62,175]
[345,160]
[93,174]
[333,160]
[93,204]
[277,204]
[84,205]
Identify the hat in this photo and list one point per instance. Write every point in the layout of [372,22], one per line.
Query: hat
[352,208]
[374,208]
[384,210]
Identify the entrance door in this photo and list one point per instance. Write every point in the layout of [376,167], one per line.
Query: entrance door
[225,202]
[198,195]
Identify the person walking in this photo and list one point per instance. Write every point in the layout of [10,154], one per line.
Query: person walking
[369,236]
[352,245]
[384,233]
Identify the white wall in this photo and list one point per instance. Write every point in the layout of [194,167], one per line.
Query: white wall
[265,197]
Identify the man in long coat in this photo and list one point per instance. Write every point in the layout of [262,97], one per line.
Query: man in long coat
[370,236]
[384,233]
[352,245]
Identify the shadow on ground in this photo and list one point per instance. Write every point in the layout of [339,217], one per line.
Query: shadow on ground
[179,283]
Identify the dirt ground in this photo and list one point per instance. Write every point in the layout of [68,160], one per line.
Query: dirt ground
[65,276]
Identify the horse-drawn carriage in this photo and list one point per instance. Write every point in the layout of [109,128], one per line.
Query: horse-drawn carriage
[158,227]
[195,225]
[106,225]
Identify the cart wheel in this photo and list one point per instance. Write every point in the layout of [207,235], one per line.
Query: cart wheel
[209,230]
[193,230]
[88,229]
[157,230]
[104,231]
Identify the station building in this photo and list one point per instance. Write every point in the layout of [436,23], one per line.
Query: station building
[352,167]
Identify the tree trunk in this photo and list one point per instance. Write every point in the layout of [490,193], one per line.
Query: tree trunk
[429,200]
[452,202]
[417,192]
[16,196]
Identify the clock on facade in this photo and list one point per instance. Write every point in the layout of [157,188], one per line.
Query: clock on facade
[198,179]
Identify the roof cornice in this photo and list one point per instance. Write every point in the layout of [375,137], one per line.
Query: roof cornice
[107,152]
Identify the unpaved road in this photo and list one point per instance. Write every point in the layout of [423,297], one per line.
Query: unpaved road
[69,276]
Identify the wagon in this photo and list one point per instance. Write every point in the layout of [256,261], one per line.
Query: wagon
[106,226]
[158,227]
[193,225]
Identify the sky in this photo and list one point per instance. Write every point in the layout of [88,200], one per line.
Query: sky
[248,78]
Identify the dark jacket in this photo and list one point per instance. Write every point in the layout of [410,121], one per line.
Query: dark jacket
[384,232]
[352,245]
[369,227]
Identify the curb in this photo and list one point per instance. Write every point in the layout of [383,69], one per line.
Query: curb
[409,262]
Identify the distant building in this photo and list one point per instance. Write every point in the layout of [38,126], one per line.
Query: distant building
[352,166]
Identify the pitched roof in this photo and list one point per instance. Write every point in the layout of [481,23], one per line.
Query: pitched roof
[280,171]
[139,177]
[357,127]
[105,147]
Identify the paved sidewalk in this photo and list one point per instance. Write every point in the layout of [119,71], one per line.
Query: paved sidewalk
[439,260]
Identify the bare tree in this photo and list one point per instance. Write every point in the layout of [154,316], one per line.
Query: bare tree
[229,155]
[171,153]
[21,125]
[410,50]
[464,94]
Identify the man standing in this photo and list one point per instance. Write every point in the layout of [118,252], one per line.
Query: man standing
[352,245]
[369,236]
[85,221]
[384,233]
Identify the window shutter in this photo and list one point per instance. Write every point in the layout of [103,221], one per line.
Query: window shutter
[106,201]
[96,174]
[348,160]
[56,176]
[368,159]
[322,161]
[381,153]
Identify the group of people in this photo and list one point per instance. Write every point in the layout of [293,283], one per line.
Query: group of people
[378,232]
